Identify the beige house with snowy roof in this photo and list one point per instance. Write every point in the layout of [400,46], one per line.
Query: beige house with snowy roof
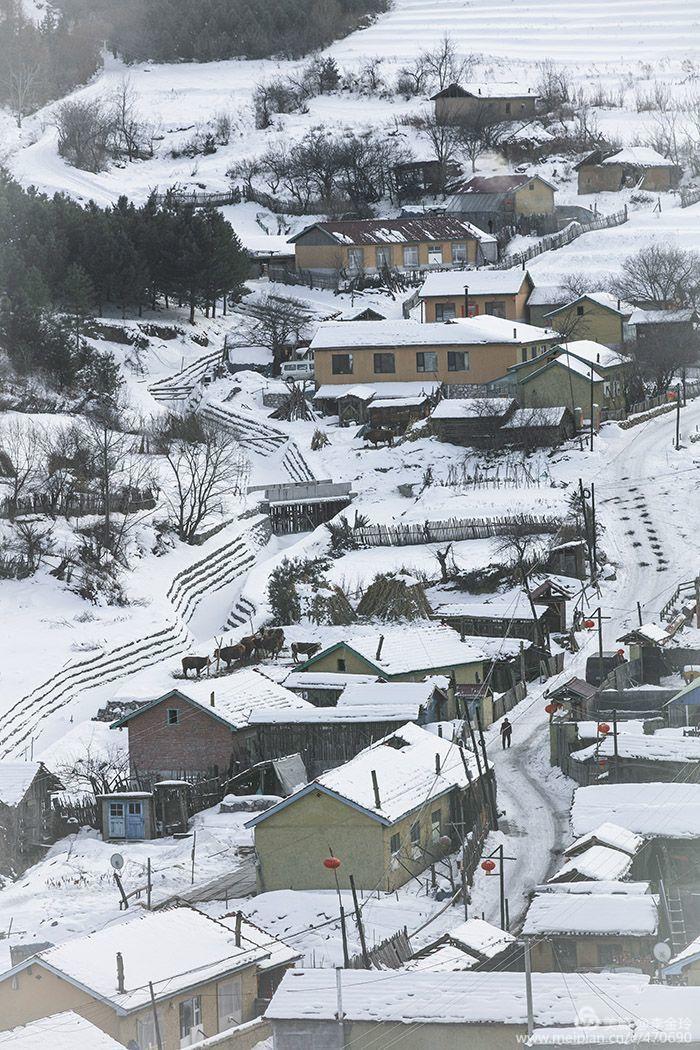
[386,815]
[596,315]
[208,976]
[634,167]
[499,293]
[354,246]
[504,101]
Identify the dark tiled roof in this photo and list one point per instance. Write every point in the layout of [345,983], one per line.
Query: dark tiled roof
[408,230]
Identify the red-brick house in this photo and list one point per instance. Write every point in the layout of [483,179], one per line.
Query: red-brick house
[204,731]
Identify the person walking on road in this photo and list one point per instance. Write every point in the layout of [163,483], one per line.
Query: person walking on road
[506,732]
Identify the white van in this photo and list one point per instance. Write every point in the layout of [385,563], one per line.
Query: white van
[297,370]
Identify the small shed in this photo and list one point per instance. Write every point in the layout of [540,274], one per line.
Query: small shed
[28,819]
[576,695]
[684,707]
[473,945]
[471,420]
[633,167]
[301,506]
[127,815]
[530,428]
[397,414]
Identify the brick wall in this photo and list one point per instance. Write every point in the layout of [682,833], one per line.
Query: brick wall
[196,743]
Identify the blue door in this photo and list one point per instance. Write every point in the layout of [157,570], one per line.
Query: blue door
[135,824]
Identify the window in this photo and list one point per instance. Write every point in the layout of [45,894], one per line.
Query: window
[356,259]
[415,833]
[496,309]
[116,809]
[523,354]
[459,252]
[533,353]
[445,311]
[507,107]
[434,255]
[230,1004]
[383,258]
[609,954]
[579,311]
[341,663]
[173,716]
[410,255]
[531,186]
[457,361]
[436,824]
[341,364]
[395,844]
[146,1033]
[190,1018]
[426,361]
[384,363]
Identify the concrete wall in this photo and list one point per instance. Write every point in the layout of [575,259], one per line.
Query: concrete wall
[383,1035]
[514,306]
[196,743]
[484,363]
[597,323]
[515,108]
[535,198]
[334,257]
[40,993]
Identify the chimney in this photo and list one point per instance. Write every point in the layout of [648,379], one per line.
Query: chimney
[440,730]
[597,358]
[466,300]
[211,700]
[375,785]
[120,973]
[239,921]
[437,765]
[515,333]
[618,304]
[379,647]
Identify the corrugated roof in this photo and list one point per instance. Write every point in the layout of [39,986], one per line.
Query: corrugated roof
[407,230]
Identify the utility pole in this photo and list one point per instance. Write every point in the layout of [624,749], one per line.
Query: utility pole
[149,884]
[586,528]
[194,848]
[360,924]
[159,1041]
[600,637]
[528,989]
[678,417]
[492,800]
[639,613]
[592,396]
[502,885]
[594,540]
[615,731]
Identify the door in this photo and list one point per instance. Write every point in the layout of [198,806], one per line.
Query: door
[117,821]
[135,824]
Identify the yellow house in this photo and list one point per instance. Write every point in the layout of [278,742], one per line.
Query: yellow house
[208,976]
[356,246]
[504,101]
[596,315]
[386,815]
[497,293]
[633,167]
[569,374]
[494,201]
[465,351]
[593,926]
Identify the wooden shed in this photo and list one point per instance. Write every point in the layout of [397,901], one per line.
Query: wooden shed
[633,167]
[28,819]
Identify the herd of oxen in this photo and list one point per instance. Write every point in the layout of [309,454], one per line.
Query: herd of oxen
[268,642]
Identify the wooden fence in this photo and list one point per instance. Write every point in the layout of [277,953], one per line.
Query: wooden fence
[558,240]
[447,531]
[389,954]
[199,199]
[77,504]
[689,197]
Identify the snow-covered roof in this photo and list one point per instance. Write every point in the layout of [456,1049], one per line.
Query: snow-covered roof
[516,607]
[472,407]
[482,937]
[548,295]
[571,363]
[541,416]
[594,887]
[641,156]
[405,763]
[408,229]
[393,712]
[596,862]
[15,780]
[464,331]
[64,1031]
[479,282]
[608,834]
[332,391]
[398,402]
[642,317]
[472,998]
[388,694]
[422,647]
[660,810]
[594,353]
[174,949]
[606,299]
[650,748]
[651,632]
[463,948]
[325,679]
[497,89]
[690,954]
[601,914]
[236,697]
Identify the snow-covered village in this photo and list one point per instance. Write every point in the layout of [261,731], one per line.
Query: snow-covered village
[349,524]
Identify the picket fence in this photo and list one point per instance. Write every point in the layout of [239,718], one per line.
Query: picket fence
[557,240]
[447,531]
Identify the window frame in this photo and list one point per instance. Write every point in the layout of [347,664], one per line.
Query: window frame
[170,720]
[194,1003]
[377,359]
[356,259]
[340,371]
[436,824]
[395,841]
[411,264]
[495,308]
[452,360]
[456,251]
[440,309]
[423,368]
[236,1017]
[382,257]
[434,250]
[415,833]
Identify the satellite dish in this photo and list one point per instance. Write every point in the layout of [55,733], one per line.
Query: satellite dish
[117,862]
[662,952]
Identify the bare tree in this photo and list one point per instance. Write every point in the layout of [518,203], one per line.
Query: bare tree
[33,542]
[204,471]
[95,769]
[479,130]
[444,64]
[444,139]
[278,323]
[553,85]
[521,545]
[660,274]
[659,357]
[84,132]
[129,135]
[20,446]
[21,72]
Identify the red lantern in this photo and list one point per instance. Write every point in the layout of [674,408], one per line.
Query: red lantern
[551,708]
[621,652]
[589,624]
[488,866]
[603,728]
[332,863]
